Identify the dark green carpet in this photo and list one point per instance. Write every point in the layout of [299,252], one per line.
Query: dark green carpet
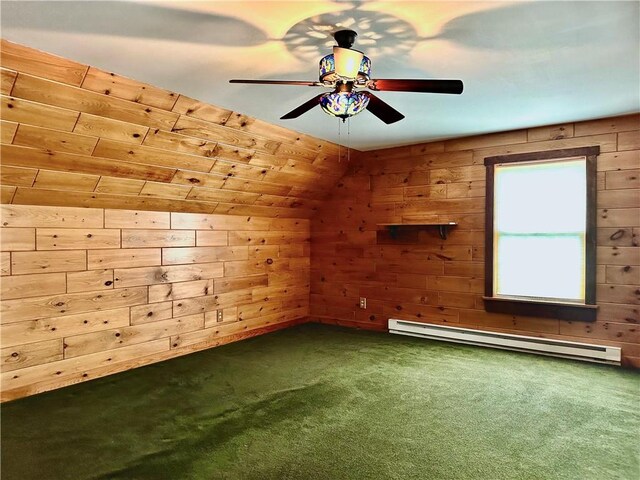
[319,402]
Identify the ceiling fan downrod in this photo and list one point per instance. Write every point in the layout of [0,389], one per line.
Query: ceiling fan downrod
[345,38]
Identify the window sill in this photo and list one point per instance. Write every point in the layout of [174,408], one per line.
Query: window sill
[533,308]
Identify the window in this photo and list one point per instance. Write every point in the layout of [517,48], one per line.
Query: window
[540,234]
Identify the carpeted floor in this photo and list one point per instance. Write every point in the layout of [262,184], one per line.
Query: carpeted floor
[319,402]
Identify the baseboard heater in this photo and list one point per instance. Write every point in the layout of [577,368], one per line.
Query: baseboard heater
[506,341]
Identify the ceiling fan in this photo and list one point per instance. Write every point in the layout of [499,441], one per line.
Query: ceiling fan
[347,71]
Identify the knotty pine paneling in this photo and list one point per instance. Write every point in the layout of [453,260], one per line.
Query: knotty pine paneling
[418,276]
[88,292]
[74,135]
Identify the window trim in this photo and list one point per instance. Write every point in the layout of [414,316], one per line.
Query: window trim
[540,308]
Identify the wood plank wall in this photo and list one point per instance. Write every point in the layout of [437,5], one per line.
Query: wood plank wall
[75,135]
[189,208]
[420,277]
[88,292]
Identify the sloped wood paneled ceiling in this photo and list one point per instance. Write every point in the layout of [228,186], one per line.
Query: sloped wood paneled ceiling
[74,135]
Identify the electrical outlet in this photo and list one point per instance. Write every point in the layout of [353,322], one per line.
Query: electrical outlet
[363,302]
[219,315]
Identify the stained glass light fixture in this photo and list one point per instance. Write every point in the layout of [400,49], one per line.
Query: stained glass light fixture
[341,68]
[345,69]
[344,104]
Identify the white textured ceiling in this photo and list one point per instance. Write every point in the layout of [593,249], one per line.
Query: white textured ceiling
[523,63]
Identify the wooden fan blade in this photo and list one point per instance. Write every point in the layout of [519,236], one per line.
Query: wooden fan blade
[420,86]
[383,110]
[279,82]
[304,108]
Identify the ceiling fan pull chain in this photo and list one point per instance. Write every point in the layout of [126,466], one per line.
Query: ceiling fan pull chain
[348,140]
[339,144]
